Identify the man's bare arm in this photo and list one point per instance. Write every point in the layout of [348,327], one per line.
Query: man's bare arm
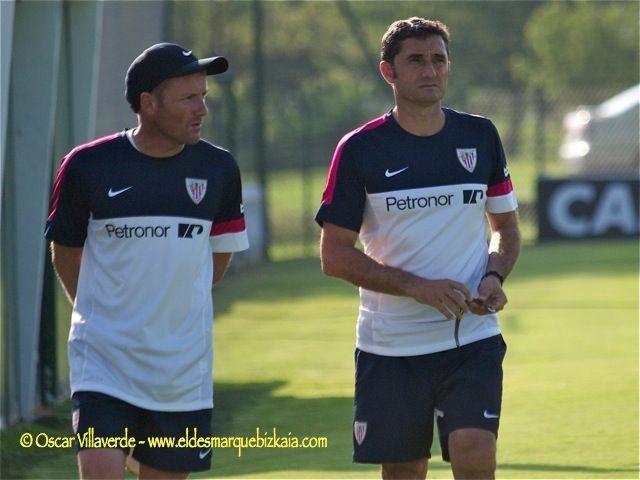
[220,264]
[504,247]
[341,259]
[66,261]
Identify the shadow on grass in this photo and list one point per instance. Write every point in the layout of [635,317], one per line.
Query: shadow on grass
[240,409]
[535,467]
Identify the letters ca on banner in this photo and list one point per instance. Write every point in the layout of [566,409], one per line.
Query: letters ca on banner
[587,208]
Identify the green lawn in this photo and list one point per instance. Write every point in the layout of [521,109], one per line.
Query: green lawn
[284,359]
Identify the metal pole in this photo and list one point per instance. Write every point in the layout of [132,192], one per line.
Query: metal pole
[539,147]
[305,153]
[231,110]
[259,144]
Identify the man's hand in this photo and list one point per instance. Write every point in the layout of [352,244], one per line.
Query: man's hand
[451,298]
[491,297]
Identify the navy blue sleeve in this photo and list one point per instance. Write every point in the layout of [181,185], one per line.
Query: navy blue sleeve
[500,194]
[344,195]
[69,208]
[500,172]
[230,216]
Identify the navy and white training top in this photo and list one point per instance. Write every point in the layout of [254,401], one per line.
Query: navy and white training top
[142,319]
[418,204]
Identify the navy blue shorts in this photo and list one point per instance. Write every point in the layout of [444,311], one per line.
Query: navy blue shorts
[110,416]
[397,398]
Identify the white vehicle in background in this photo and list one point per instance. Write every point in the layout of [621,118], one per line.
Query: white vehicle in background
[604,138]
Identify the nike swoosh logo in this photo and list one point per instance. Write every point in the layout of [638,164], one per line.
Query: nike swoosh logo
[486,414]
[111,193]
[389,174]
[186,54]
[204,453]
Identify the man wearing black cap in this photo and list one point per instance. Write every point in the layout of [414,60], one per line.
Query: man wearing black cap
[142,222]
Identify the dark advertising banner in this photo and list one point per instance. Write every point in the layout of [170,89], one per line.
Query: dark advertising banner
[587,208]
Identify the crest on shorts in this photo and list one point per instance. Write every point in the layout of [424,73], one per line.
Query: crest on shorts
[75,420]
[467,158]
[196,188]
[360,431]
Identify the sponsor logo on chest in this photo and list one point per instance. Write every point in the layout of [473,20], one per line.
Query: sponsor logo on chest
[185,230]
[472,196]
[411,203]
[426,200]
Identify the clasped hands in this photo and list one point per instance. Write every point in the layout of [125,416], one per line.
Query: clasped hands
[453,299]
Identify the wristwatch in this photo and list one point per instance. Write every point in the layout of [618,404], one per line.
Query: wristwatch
[495,274]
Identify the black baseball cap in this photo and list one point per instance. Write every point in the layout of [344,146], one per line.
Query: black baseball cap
[162,61]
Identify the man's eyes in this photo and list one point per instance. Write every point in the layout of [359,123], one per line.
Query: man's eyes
[437,60]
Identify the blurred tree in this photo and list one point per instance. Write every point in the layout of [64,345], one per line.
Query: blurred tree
[579,46]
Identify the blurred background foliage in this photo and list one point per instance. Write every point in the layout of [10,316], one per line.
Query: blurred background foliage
[321,58]
[580,45]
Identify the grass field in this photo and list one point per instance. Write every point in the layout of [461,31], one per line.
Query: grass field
[284,359]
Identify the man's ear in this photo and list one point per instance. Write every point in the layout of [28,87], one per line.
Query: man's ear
[147,102]
[387,72]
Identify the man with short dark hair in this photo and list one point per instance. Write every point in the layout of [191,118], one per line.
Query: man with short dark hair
[416,185]
[142,223]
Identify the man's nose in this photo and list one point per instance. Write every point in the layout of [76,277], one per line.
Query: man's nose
[428,70]
[202,108]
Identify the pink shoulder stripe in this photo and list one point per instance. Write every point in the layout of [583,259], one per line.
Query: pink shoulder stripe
[64,168]
[92,143]
[231,226]
[500,188]
[332,179]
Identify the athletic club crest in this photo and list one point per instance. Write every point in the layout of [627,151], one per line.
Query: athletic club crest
[468,158]
[196,188]
[75,420]
[360,430]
